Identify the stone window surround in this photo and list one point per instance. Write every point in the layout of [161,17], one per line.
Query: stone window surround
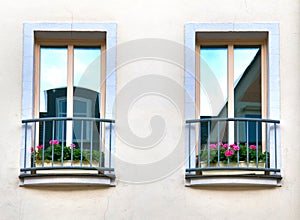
[28,81]
[273,89]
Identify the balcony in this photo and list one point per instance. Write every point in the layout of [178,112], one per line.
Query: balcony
[67,151]
[232,151]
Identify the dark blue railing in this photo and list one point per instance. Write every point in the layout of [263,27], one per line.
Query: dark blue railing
[245,144]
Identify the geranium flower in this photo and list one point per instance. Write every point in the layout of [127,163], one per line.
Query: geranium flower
[253,147]
[73,145]
[40,147]
[54,142]
[213,146]
[228,153]
[235,147]
[32,149]
[225,146]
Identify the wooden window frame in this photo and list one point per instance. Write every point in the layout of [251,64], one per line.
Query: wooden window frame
[69,44]
[230,44]
[230,72]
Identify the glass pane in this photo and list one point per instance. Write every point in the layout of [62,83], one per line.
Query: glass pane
[213,81]
[53,90]
[247,90]
[53,78]
[87,68]
[213,91]
[87,78]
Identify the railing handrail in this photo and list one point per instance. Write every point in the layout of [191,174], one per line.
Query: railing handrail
[68,119]
[189,121]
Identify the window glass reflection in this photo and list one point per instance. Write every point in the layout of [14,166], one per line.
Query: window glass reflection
[53,73]
[87,68]
[213,81]
[247,84]
[247,90]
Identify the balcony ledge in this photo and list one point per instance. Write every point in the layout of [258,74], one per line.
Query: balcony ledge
[233,180]
[67,180]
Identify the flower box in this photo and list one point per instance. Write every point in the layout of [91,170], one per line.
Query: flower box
[67,163]
[66,153]
[223,171]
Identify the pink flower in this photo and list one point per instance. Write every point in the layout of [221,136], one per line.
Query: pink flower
[54,142]
[220,143]
[73,145]
[235,147]
[32,149]
[225,146]
[213,146]
[253,147]
[228,153]
[40,147]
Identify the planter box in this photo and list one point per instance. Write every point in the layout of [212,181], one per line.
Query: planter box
[66,163]
[232,172]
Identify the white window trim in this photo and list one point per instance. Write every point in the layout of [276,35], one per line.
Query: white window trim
[28,69]
[273,70]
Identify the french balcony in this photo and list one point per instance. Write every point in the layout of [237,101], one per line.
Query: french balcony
[67,151]
[233,151]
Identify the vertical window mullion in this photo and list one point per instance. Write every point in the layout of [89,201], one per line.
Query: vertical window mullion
[102,84]
[230,75]
[37,81]
[264,92]
[69,132]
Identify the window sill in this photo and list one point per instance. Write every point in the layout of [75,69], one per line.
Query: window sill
[233,180]
[63,179]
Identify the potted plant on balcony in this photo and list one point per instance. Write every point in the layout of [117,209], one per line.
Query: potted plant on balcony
[64,155]
[231,155]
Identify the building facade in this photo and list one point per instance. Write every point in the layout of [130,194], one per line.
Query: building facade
[150,109]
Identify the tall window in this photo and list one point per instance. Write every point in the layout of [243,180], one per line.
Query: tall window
[232,80]
[69,76]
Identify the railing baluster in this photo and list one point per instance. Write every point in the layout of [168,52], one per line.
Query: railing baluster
[81,143]
[247,139]
[199,146]
[73,130]
[275,143]
[43,148]
[189,146]
[91,145]
[256,129]
[218,143]
[228,128]
[267,147]
[62,144]
[238,141]
[100,143]
[53,130]
[34,144]
[110,130]
[25,147]
[208,143]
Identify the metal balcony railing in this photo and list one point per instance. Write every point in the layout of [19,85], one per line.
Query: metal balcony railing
[232,144]
[66,143]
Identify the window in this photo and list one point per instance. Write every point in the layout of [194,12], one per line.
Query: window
[231,80]
[234,79]
[69,80]
[66,109]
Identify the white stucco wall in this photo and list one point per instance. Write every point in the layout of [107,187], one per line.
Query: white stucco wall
[160,164]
